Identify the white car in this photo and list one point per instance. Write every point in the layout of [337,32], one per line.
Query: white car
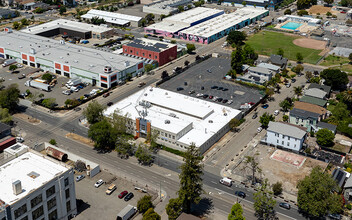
[276,112]
[99,183]
[199,95]
[259,129]
[19,140]
[229,102]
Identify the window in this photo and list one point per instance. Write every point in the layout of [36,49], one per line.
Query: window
[137,53]
[68,206]
[169,135]
[277,135]
[53,215]
[283,136]
[125,50]
[288,138]
[24,218]
[143,54]
[156,57]
[67,193]
[173,137]
[38,213]
[51,203]
[66,181]
[50,191]
[20,211]
[282,142]
[288,143]
[104,85]
[36,201]
[277,141]
[103,78]
[150,56]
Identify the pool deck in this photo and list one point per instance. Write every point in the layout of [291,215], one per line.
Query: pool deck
[304,28]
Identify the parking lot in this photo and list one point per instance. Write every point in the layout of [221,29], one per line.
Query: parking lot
[211,73]
[93,203]
[56,91]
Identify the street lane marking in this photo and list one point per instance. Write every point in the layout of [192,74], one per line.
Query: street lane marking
[214,182]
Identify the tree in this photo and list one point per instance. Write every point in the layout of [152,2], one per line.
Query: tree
[12,68]
[62,10]
[287,12]
[186,63]
[143,155]
[269,92]
[181,8]
[148,67]
[237,60]
[244,3]
[190,48]
[164,75]
[96,20]
[264,203]
[38,10]
[335,78]
[149,18]
[162,16]
[265,119]
[297,90]
[94,112]
[236,37]
[5,116]
[277,188]
[325,137]
[252,164]
[302,12]
[328,14]
[286,104]
[280,51]
[49,103]
[143,22]
[24,21]
[329,2]
[309,75]
[144,204]
[299,57]
[16,25]
[317,194]
[299,68]
[191,186]
[249,55]
[152,138]
[150,214]
[350,57]
[103,135]
[17,13]
[285,118]
[52,142]
[9,97]
[234,123]
[174,208]
[47,77]
[236,212]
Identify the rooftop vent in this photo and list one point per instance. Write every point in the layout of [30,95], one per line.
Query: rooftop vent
[107,69]
[75,61]
[127,63]
[32,51]
[167,121]
[33,175]
[68,54]
[210,121]
[17,187]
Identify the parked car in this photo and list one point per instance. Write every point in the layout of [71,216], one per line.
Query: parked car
[288,85]
[205,96]
[19,140]
[335,216]
[240,194]
[106,94]
[219,88]
[109,104]
[141,84]
[199,94]
[219,99]
[265,106]
[191,92]
[111,189]
[122,194]
[214,87]
[22,76]
[79,178]
[211,97]
[255,115]
[259,129]
[230,102]
[225,89]
[293,80]
[276,112]
[129,197]
[225,101]
[99,183]
[285,205]
[251,103]
[179,88]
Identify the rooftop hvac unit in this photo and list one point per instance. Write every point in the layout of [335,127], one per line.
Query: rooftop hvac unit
[107,69]
[17,187]
[167,121]
[32,51]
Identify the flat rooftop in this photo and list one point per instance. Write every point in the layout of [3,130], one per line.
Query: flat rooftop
[63,23]
[167,4]
[206,118]
[32,170]
[151,45]
[111,17]
[77,56]
[223,22]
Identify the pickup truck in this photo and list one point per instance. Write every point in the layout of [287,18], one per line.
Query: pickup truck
[111,189]
[141,84]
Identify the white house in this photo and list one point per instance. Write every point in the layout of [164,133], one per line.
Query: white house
[285,135]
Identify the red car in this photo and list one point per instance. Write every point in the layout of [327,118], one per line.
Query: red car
[123,194]
[251,103]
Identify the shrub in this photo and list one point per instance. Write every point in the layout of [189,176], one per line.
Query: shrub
[277,188]
[52,142]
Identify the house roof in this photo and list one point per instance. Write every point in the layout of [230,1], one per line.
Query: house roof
[269,66]
[339,176]
[4,127]
[185,216]
[310,107]
[278,60]
[315,92]
[286,129]
[313,100]
[295,112]
[260,70]
[348,183]
[325,88]
[328,126]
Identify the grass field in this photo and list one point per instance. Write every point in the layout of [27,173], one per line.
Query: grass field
[334,60]
[267,43]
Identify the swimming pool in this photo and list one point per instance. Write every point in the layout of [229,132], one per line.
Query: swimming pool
[291,25]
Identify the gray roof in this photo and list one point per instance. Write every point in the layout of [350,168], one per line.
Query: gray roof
[260,70]
[278,60]
[331,127]
[339,176]
[348,183]
[325,88]
[269,66]
[286,129]
[150,45]
[315,92]
[4,127]
[5,12]
[313,100]
[295,112]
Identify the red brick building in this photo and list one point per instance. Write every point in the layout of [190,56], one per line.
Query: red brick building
[151,49]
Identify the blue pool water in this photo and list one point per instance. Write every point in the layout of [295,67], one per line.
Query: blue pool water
[291,25]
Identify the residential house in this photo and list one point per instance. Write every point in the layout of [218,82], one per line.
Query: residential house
[348,189]
[6,13]
[304,118]
[257,75]
[313,100]
[278,60]
[285,135]
[269,66]
[315,92]
[324,88]
[340,176]
[312,108]
[331,127]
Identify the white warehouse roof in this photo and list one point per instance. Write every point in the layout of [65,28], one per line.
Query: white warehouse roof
[111,17]
[32,170]
[85,58]
[205,118]
[65,23]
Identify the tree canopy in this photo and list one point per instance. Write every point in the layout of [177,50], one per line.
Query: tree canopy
[190,48]
[144,204]
[47,77]
[150,214]
[264,203]
[9,97]
[5,116]
[286,104]
[325,137]
[236,212]
[103,135]
[265,119]
[94,112]
[317,194]
[236,37]
[174,208]
[335,78]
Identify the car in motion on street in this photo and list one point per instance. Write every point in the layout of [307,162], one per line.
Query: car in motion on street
[99,183]
[79,178]
[255,115]
[284,205]
[240,194]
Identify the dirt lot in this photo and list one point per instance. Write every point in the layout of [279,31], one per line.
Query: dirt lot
[315,9]
[310,43]
[288,174]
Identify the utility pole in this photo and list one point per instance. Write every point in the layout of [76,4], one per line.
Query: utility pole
[160,191]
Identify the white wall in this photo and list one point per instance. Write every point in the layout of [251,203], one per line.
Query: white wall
[284,141]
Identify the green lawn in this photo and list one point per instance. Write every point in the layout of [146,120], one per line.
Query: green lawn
[345,68]
[267,43]
[334,60]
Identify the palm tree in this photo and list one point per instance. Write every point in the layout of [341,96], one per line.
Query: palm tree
[298,91]
[347,96]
